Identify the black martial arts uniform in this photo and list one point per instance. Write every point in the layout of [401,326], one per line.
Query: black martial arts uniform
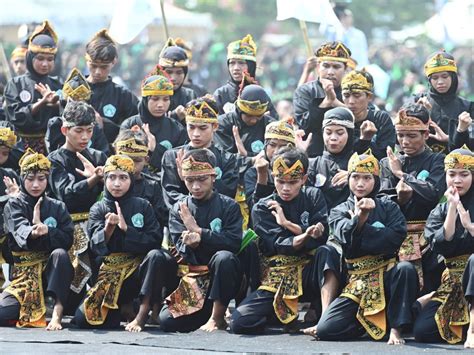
[149,188]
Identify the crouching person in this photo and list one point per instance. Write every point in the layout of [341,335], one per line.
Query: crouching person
[124,231]
[40,231]
[206,229]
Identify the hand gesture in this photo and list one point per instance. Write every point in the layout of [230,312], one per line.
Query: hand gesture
[111,219]
[39,230]
[365,205]
[394,164]
[48,95]
[12,188]
[180,112]
[179,162]
[425,102]
[316,230]
[191,239]
[464,121]
[99,119]
[452,196]
[439,134]
[302,143]
[404,192]
[465,217]
[367,130]
[121,221]
[89,169]
[311,64]
[150,136]
[188,219]
[261,163]
[36,212]
[340,179]
[277,213]
[328,86]
[238,141]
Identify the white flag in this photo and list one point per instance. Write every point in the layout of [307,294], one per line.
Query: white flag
[319,11]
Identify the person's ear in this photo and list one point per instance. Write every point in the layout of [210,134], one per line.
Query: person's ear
[64,130]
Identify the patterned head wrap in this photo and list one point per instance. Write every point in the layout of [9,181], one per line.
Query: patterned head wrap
[7,137]
[76,86]
[357,81]
[440,62]
[333,52]
[461,158]
[280,169]
[364,163]
[119,162]
[403,122]
[340,116]
[32,162]
[282,129]
[244,49]
[191,167]
[172,55]
[129,147]
[199,111]
[19,52]
[157,85]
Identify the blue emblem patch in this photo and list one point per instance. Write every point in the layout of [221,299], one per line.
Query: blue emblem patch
[218,172]
[167,144]
[378,224]
[216,225]
[423,175]
[304,219]
[109,110]
[51,222]
[257,146]
[137,220]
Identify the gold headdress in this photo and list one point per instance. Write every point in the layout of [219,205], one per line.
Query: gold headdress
[201,113]
[281,171]
[32,162]
[157,85]
[7,137]
[129,147]
[44,29]
[282,129]
[76,86]
[364,163]
[253,108]
[461,158]
[244,48]
[19,52]
[356,81]
[333,52]
[119,162]
[403,122]
[438,63]
[191,167]
[176,59]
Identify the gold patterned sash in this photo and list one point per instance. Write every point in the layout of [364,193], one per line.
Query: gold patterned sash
[115,269]
[453,312]
[366,287]
[413,247]
[78,252]
[283,275]
[190,295]
[27,287]
[244,208]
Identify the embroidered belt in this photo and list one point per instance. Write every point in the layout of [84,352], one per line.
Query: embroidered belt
[240,198]
[453,312]
[78,252]
[414,246]
[283,275]
[366,287]
[31,135]
[115,269]
[190,295]
[27,287]
[79,217]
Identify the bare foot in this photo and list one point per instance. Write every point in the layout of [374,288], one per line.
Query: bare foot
[135,326]
[57,316]
[395,337]
[313,331]
[469,343]
[423,300]
[127,312]
[214,324]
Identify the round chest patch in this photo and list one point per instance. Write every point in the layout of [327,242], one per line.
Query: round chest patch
[304,218]
[320,180]
[378,224]
[228,107]
[167,144]
[216,225]
[137,220]
[257,146]
[218,172]
[25,96]
[109,110]
[51,222]
[423,175]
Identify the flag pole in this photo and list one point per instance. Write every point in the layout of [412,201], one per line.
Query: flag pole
[5,64]
[165,24]
[304,29]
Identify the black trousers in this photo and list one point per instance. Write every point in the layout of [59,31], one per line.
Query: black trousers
[255,311]
[226,277]
[339,321]
[156,272]
[57,278]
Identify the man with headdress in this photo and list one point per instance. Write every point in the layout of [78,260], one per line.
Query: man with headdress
[40,233]
[113,102]
[372,128]
[414,178]
[31,99]
[313,99]
[76,179]
[75,88]
[18,60]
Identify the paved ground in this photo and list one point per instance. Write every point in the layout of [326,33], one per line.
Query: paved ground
[38,341]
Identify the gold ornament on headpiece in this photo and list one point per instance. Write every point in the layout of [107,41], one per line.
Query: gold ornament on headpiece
[44,29]
[33,162]
[181,43]
[340,53]
[19,52]
[104,34]
[356,81]
[168,62]
[368,164]
[457,160]
[403,122]
[157,85]
[253,108]
[119,162]
[191,167]
[80,93]
[131,148]
[244,48]
[7,137]
[439,63]
[202,113]
[282,129]
[280,170]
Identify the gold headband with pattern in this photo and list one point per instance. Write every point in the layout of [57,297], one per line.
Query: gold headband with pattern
[45,29]
[161,86]
[282,129]
[439,63]
[340,53]
[191,167]
[80,93]
[253,108]
[369,164]
[457,160]
[403,122]
[33,162]
[244,48]
[280,170]
[7,137]
[356,81]
[166,62]
[202,113]
[119,162]
[129,147]
[19,52]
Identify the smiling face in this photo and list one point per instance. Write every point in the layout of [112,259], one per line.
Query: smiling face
[117,183]
[461,179]
[361,184]
[35,183]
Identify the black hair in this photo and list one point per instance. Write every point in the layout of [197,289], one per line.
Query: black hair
[291,155]
[79,112]
[101,49]
[202,155]
[416,110]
